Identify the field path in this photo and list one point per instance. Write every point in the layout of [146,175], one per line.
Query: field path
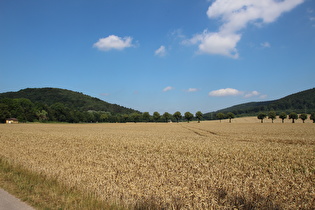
[9,202]
[199,131]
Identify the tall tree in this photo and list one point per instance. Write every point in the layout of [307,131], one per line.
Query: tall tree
[4,112]
[293,116]
[156,116]
[303,117]
[220,116]
[146,116]
[105,117]
[188,116]
[312,117]
[283,116]
[198,116]
[166,116]
[177,115]
[124,117]
[272,115]
[135,117]
[230,115]
[261,116]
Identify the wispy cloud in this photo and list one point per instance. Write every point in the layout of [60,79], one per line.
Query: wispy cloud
[235,15]
[168,88]
[161,51]
[265,45]
[113,42]
[251,94]
[190,90]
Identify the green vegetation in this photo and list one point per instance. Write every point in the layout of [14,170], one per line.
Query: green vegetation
[301,102]
[303,117]
[261,116]
[177,115]
[166,116]
[198,116]
[230,116]
[52,104]
[156,116]
[312,117]
[272,115]
[283,116]
[293,116]
[188,116]
[220,116]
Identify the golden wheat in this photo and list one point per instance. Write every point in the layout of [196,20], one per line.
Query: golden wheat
[180,165]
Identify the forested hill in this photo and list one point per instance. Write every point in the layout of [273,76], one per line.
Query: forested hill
[301,102]
[70,99]
[58,104]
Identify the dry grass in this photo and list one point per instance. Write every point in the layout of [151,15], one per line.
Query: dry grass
[243,164]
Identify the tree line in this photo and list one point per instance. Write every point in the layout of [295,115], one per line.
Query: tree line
[292,116]
[27,111]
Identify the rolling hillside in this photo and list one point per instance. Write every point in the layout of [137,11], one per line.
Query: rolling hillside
[68,98]
[301,102]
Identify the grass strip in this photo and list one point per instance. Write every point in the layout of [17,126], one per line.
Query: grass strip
[44,193]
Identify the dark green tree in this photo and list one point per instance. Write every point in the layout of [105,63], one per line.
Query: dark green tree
[177,115]
[146,116]
[135,117]
[261,116]
[4,112]
[272,115]
[303,117]
[166,116]
[199,116]
[230,116]
[283,116]
[105,117]
[124,117]
[188,116]
[293,116]
[312,117]
[24,109]
[220,116]
[156,116]
[60,112]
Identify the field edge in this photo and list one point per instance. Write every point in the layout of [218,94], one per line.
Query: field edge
[41,192]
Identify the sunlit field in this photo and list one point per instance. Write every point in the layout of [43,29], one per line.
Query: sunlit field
[244,164]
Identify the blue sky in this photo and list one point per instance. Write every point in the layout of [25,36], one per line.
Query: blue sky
[160,55]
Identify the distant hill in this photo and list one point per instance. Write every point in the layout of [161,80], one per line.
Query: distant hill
[70,99]
[301,102]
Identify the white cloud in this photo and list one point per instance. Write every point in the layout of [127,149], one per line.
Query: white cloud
[161,51]
[251,94]
[235,15]
[168,88]
[225,92]
[265,45]
[113,42]
[192,90]
[235,92]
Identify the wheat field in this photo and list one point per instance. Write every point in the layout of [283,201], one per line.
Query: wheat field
[209,165]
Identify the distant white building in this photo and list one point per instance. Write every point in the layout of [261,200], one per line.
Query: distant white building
[12,121]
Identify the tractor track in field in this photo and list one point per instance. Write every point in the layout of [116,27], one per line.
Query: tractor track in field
[200,132]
